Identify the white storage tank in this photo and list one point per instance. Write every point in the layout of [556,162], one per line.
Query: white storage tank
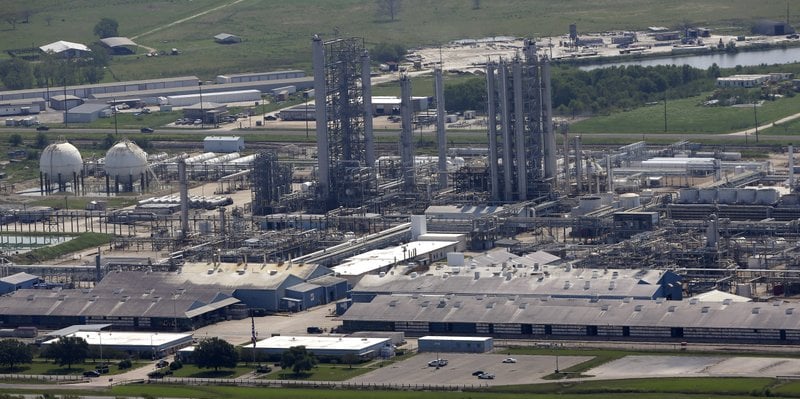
[727,196]
[746,195]
[707,196]
[767,196]
[688,196]
[591,203]
[125,160]
[629,200]
[61,159]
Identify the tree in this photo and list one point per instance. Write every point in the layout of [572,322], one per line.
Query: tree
[476,4]
[15,140]
[298,359]
[350,359]
[69,350]
[16,74]
[389,8]
[216,353]
[13,352]
[12,20]
[388,52]
[107,27]
[41,140]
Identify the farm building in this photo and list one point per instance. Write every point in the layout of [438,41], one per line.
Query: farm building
[223,144]
[119,45]
[66,49]
[227,38]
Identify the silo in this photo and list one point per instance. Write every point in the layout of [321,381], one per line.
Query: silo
[60,163]
[589,204]
[125,163]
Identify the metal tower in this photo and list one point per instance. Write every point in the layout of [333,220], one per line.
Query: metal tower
[522,147]
[344,136]
[270,181]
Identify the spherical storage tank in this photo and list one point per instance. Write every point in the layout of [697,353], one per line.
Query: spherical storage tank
[61,158]
[125,161]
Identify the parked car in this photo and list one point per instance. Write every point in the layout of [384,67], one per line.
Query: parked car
[437,363]
[42,128]
[263,369]
[314,330]
[198,121]
[509,360]
[91,373]
[486,376]
[146,130]
[162,363]
[478,372]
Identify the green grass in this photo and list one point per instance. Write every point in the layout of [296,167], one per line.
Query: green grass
[47,367]
[190,370]
[322,372]
[277,33]
[690,117]
[58,202]
[81,242]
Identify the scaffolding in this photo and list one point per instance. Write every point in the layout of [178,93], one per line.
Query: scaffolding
[270,181]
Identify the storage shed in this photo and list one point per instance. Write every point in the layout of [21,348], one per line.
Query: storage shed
[224,144]
[88,112]
[227,38]
[17,281]
[62,102]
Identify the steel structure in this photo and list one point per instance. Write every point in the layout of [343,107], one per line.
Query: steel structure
[270,181]
[344,138]
[522,149]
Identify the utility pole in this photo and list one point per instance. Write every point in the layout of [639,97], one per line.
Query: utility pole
[755,118]
[114,107]
[665,111]
[202,111]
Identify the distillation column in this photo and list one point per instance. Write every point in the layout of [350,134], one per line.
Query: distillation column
[441,138]
[321,116]
[184,192]
[406,136]
[366,93]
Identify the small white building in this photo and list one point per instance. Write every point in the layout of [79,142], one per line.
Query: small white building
[745,81]
[326,346]
[224,144]
[126,341]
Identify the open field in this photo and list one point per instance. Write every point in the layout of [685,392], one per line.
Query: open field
[276,33]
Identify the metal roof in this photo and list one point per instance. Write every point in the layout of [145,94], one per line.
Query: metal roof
[18,278]
[89,108]
[317,343]
[117,41]
[63,45]
[580,312]
[381,258]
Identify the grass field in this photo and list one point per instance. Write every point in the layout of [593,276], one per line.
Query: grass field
[276,33]
[79,243]
[47,367]
[690,116]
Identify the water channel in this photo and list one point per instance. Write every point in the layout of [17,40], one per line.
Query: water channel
[723,60]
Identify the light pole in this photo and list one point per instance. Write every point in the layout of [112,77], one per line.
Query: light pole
[100,338]
[114,107]
[755,118]
[202,111]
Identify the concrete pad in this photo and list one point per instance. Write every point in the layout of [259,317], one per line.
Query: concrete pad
[528,369]
[655,366]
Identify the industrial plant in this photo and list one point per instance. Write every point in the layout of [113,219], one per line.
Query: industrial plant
[532,235]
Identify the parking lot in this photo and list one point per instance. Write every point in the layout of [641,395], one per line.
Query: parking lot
[696,366]
[527,369]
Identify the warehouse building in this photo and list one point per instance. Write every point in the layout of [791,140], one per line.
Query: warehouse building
[209,112]
[326,348]
[18,281]
[22,107]
[119,45]
[547,318]
[61,102]
[526,282]
[158,343]
[227,38]
[259,76]
[66,49]
[438,343]
[88,112]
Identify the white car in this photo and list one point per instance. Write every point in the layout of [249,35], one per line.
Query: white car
[437,363]
[509,360]
[486,376]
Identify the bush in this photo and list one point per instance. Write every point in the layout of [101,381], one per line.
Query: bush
[125,364]
[175,365]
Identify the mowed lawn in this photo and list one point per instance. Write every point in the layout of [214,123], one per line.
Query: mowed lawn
[277,33]
[690,116]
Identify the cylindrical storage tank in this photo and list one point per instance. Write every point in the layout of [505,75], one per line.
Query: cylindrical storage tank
[204,227]
[588,204]
[707,196]
[125,160]
[200,158]
[727,196]
[629,200]
[731,156]
[767,196]
[61,158]
[746,196]
[688,196]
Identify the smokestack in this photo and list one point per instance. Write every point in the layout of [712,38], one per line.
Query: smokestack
[609,175]
[321,116]
[441,138]
[366,89]
[406,135]
[791,167]
[184,189]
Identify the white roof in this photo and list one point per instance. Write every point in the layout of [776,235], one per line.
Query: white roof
[125,338]
[380,258]
[450,338]
[62,45]
[720,296]
[318,343]
[222,138]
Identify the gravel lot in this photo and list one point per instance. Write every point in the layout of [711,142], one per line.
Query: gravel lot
[696,366]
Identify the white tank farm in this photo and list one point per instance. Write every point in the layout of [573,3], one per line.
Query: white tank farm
[125,159]
[61,158]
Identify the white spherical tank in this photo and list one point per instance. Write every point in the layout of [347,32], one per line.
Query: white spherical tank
[125,160]
[60,158]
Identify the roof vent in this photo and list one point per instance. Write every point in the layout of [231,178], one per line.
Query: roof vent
[756,310]
[442,303]
[523,305]
[671,309]
[627,299]
[392,303]
[490,305]
[693,301]
[425,304]
[612,285]
[638,308]
[587,284]
[595,298]
[124,298]
[30,297]
[789,310]
[567,285]
[614,275]
[660,300]
[776,303]
[457,305]
[727,301]
[604,307]
[704,309]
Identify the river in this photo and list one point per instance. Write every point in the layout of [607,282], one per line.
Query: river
[723,60]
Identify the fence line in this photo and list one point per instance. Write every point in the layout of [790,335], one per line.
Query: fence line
[312,384]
